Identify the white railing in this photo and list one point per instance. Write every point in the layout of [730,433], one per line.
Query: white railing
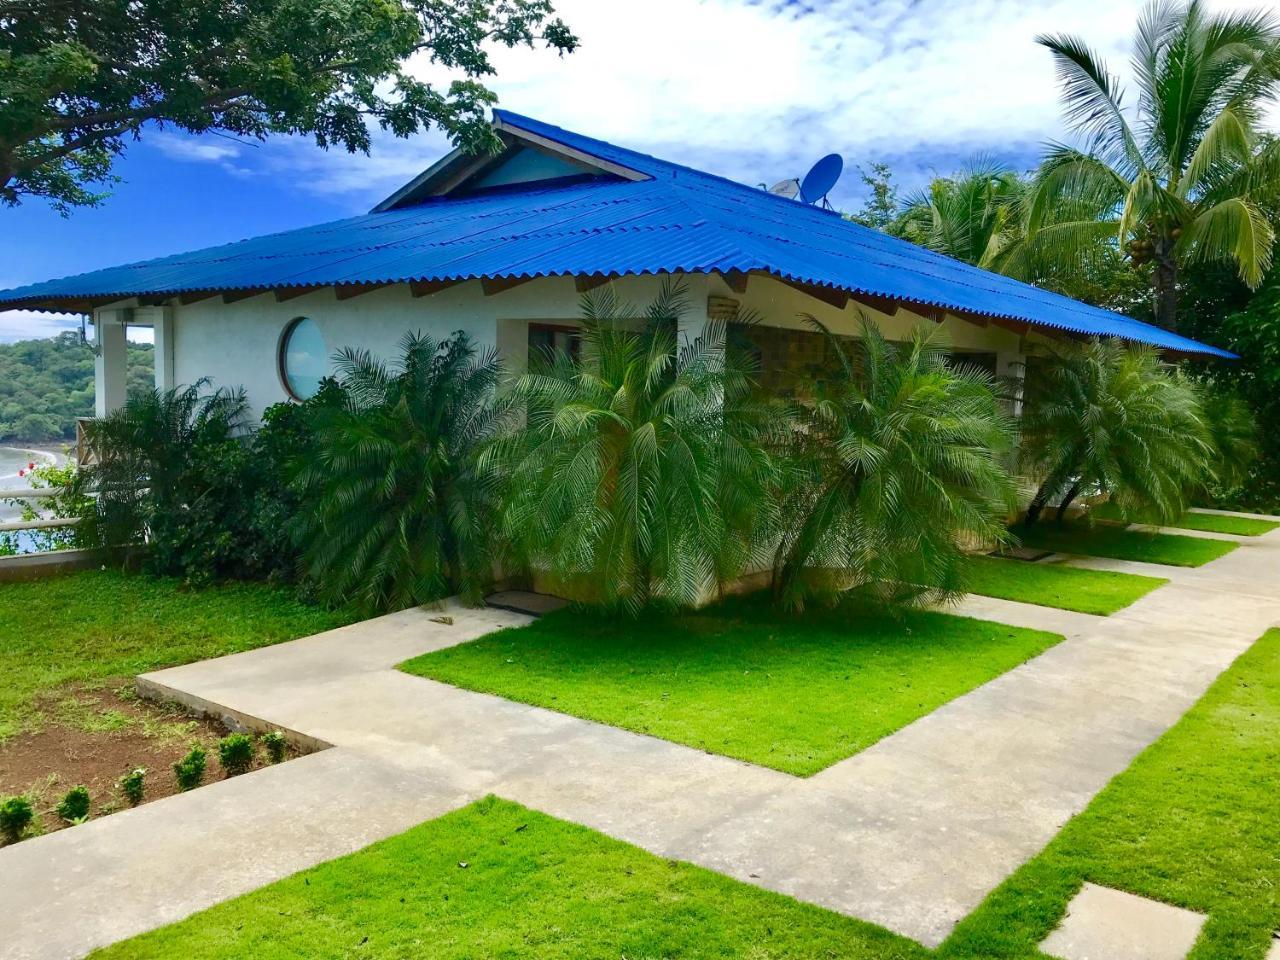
[39,523]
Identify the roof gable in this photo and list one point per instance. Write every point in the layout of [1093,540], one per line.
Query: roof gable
[528,158]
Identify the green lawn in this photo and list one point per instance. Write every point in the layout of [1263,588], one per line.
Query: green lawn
[497,880]
[1054,585]
[1104,540]
[1214,523]
[1209,522]
[100,624]
[739,679]
[1192,822]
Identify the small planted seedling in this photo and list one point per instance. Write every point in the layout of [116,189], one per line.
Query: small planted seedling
[235,753]
[15,816]
[74,807]
[189,771]
[275,743]
[132,785]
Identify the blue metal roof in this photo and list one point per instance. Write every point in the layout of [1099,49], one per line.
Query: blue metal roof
[672,220]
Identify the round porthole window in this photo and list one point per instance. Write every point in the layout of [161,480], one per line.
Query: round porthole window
[302,358]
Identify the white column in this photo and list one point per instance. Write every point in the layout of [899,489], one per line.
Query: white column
[163,327]
[691,324]
[110,364]
[1011,367]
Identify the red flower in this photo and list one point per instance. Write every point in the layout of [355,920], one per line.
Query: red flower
[31,465]
[22,473]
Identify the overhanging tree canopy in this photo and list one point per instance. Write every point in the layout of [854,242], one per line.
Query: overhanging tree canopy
[78,78]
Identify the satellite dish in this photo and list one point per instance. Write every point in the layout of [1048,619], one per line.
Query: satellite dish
[822,176]
[786,188]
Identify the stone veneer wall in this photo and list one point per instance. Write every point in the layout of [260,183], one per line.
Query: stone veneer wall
[790,361]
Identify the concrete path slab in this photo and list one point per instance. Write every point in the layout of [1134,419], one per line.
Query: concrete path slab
[911,833]
[1106,924]
[65,893]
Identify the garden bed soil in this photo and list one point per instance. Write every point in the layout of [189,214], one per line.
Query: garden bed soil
[96,735]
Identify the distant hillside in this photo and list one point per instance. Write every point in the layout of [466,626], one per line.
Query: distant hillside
[46,384]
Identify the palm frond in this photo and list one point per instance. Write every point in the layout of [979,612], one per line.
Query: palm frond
[1092,98]
[1235,230]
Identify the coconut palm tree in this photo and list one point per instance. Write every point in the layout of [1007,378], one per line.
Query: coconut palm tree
[637,476]
[1184,176]
[899,464]
[1111,417]
[395,508]
[973,216]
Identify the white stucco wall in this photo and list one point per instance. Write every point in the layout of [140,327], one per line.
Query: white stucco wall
[236,344]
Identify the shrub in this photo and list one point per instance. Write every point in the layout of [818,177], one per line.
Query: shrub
[276,744]
[173,472]
[189,771]
[1234,437]
[897,467]
[74,806]
[235,753]
[396,512]
[1111,417]
[132,785]
[280,447]
[635,477]
[16,815]
[61,505]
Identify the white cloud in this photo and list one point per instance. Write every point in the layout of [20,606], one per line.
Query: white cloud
[178,147]
[34,325]
[29,325]
[758,90]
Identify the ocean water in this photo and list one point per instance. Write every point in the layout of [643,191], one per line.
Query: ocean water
[12,460]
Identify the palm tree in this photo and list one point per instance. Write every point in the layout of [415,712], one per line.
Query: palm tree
[1182,179]
[1111,417]
[898,467]
[973,216]
[168,471]
[1232,431]
[636,476]
[395,510]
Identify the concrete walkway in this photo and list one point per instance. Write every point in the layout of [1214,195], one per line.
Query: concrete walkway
[911,833]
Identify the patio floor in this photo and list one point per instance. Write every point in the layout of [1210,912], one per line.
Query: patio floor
[910,834]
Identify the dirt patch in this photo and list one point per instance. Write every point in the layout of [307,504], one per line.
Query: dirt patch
[93,735]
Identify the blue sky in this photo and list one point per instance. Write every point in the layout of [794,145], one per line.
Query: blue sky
[751,90]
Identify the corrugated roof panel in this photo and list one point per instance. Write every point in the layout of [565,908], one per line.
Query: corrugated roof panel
[677,220]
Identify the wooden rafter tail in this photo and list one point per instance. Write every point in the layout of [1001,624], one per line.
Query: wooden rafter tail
[1019,327]
[492,286]
[235,296]
[832,296]
[425,288]
[885,305]
[346,291]
[586,282]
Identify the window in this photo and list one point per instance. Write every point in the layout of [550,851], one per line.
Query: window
[547,341]
[303,359]
[986,362]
